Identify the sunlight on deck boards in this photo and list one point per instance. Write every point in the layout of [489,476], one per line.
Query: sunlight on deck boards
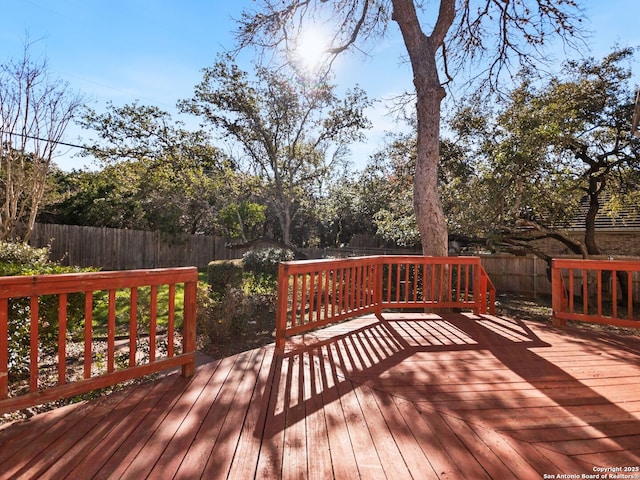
[413,396]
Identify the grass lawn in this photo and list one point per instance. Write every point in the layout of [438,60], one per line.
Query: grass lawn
[122,310]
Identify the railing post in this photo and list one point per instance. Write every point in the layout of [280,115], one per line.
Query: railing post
[378,285]
[189,326]
[483,291]
[281,308]
[557,294]
[478,291]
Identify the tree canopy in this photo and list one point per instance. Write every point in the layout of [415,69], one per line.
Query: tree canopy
[550,146]
[290,132]
[441,38]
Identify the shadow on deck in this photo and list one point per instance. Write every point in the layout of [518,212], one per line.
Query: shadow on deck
[412,396]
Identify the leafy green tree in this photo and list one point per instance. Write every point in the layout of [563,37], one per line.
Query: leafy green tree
[386,189]
[487,33]
[291,133]
[551,145]
[157,175]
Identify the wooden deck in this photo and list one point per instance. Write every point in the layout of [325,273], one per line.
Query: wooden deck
[415,396]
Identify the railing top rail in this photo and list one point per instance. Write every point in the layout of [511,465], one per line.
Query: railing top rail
[23,286]
[374,259]
[632,265]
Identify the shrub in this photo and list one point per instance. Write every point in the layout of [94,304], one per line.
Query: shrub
[220,320]
[264,263]
[261,269]
[21,259]
[224,274]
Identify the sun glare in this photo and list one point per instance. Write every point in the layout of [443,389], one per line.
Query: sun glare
[311,49]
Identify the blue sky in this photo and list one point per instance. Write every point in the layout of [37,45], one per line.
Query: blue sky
[153,51]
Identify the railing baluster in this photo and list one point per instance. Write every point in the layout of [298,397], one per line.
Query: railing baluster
[62,338]
[133,326]
[33,355]
[599,291]
[585,291]
[32,288]
[4,348]
[111,331]
[312,287]
[629,295]
[571,290]
[584,270]
[368,284]
[326,280]
[88,334]
[303,300]
[294,314]
[171,316]
[614,293]
[153,309]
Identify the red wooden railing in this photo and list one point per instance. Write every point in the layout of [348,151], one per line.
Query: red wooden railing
[596,291]
[318,292]
[35,287]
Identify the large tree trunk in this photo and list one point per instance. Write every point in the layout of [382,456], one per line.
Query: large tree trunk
[426,197]
[422,53]
[595,187]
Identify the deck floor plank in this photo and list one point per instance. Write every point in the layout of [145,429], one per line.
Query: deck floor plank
[186,409]
[98,445]
[412,396]
[189,449]
[103,450]
[221,456]
[270,457]
[319,463]
[245,458]
[127,448]
[343,460]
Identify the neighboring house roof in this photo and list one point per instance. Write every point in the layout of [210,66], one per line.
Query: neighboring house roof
[627,218]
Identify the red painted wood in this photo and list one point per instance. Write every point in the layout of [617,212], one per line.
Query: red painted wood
[133,325]
[88,334]
[121,426]
[33,335]
[413,395]
[356,286]
[269,463]
[198,435]
[129,447]
[111,331]
[571,278]
[245,458]
[153,308]
[183,410]
[4,347]
[171,318]
[62,338]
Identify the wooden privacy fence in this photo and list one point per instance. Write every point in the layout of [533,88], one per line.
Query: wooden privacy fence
[318,292]
[122,249]
[23,301]
[596,291]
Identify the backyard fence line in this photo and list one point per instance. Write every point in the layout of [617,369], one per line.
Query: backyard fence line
[121,249]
